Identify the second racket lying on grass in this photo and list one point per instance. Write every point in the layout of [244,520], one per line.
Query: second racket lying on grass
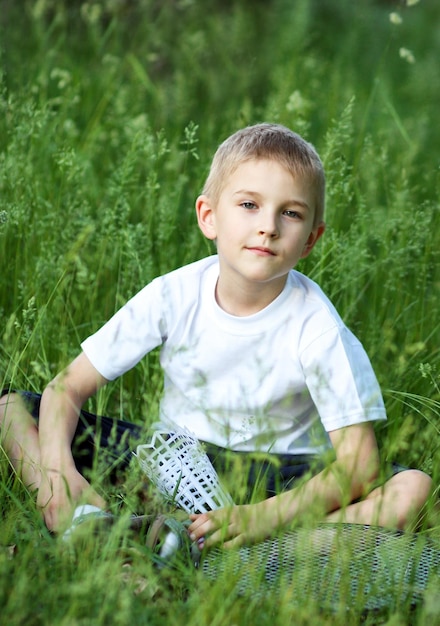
[165,535]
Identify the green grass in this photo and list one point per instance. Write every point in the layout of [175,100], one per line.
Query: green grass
[109,114]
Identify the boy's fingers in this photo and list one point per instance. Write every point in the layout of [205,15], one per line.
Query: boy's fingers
[96,500]
[199,528]
[213,527]
[198,518]
[202,519]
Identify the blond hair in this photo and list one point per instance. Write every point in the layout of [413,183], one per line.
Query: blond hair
[268,141]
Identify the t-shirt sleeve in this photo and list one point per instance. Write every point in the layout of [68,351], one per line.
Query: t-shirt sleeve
[341,380]
[136,329]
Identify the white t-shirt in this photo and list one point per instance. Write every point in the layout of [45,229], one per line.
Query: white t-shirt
[276,381]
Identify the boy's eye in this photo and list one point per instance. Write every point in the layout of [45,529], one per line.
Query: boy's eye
[248,205]
[292,214]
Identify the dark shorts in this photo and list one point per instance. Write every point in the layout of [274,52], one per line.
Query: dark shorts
[98,440]
[269,473]
[108,444]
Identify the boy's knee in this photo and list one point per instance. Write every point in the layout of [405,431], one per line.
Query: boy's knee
[418,488]
[420,482]
[418,477]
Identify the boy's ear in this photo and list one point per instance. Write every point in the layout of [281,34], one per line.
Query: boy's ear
[316,233]
[206,217]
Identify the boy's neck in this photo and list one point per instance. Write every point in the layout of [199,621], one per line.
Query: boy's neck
[243,301]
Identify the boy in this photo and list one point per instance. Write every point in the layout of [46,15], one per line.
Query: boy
[255,358]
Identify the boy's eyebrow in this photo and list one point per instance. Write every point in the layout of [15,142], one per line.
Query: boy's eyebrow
[290,202]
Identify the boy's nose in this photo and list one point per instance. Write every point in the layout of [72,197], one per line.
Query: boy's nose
[269,227]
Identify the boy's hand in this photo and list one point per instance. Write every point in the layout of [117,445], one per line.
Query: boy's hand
[233,526]
[60,492]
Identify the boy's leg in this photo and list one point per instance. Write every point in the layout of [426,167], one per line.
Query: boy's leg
[19,438]
[97,439]
[19,412]
[398,503]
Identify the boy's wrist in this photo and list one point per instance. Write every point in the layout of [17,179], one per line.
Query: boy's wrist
[57,462]
[275,512]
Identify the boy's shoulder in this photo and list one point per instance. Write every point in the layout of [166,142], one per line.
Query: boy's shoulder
[310,301]
[308,289]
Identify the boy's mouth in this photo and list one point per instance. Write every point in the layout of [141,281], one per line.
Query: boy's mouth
[261,251]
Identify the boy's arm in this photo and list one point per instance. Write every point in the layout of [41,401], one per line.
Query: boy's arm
[347,478]
[61,484]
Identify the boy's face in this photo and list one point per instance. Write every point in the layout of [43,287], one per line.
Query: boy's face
[263,223]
